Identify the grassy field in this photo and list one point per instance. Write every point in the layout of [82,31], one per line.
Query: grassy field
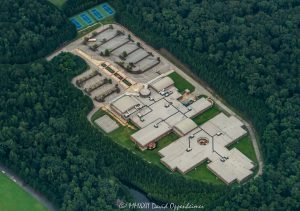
[14,198]
[58,3]
[180,83]
[246,147]
[207,115]
[203,174]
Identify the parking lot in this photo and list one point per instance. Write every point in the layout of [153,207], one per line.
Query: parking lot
[114,44]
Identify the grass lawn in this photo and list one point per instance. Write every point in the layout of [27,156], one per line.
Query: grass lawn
[58,3]
[246,147]
[127,82]
[180,83]
[14,198]
[152,155]
[110,69]
[207,115]
[122,136]
[203,174]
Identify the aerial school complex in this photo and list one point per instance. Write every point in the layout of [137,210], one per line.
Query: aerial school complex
[135,87]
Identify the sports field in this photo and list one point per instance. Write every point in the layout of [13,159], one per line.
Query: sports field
[92,15]
[14,198]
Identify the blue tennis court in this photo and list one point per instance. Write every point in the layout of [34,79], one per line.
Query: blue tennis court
[92,15]
[86,18]
[76,23]
[107,9]
[97,14]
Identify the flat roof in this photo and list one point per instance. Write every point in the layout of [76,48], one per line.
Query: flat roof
[174,119]
[185,126]
[162,83]
[198,107]
[230,126]
[237,167]
[150,133]
[125,103]
[175,155]
[153,112]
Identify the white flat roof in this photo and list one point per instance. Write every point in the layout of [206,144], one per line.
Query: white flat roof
[176,156]
[153,112]
[230,126]
[236,167]
[125,103]
[185,126]
[150,133]
[162,83]
[174,119]
[198,107]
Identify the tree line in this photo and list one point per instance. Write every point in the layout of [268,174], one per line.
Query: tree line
[72,7]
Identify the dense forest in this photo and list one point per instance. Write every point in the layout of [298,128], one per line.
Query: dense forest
[29,29]
[247,51]
[72,7]
[46,138]
[38,141]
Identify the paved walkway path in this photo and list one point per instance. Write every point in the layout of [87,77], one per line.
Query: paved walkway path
[38,196]
[92,112]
